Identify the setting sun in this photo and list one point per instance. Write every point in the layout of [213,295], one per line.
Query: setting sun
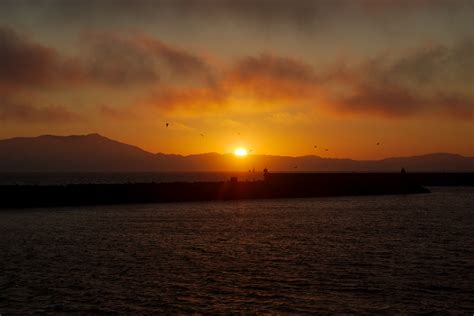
[240,152]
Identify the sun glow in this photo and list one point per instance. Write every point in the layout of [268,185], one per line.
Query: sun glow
[240,152]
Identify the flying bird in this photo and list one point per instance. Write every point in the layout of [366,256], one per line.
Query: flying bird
[378,144]
[167,124]
[202,135]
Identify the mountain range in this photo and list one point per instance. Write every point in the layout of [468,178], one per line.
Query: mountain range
[96,153]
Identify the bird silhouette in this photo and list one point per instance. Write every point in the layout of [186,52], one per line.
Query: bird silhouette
[202,135]
[326,149]
[167,124]
[378,144]
[315,146]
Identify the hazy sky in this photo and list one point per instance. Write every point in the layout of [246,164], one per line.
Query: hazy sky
[276,76]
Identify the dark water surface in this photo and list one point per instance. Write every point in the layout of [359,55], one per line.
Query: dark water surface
[389,254]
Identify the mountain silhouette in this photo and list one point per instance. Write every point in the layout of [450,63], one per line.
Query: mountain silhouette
[96,153]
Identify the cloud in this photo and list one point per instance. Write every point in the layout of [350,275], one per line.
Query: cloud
[111,112]
[117,61]
[434,79]
[180,61]
[107,59]
[24,62]
[433,65]
[16,111]
[431,80]
[381,100]
[274,68]
[246,82]
[271,77]
[139,59]
[456,105]
[301,13]
[198,100]
[399,102]
[27,66]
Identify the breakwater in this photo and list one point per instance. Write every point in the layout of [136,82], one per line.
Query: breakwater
[274,185]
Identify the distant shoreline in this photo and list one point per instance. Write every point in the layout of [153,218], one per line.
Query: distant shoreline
[66,153]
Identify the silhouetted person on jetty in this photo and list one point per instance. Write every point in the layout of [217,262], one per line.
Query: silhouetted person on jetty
[403,175]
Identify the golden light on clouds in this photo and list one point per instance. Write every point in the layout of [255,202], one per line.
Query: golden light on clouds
[227,85]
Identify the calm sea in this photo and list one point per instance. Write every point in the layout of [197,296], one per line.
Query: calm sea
[383,254]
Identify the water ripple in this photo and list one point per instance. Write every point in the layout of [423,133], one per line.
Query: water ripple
[386,254]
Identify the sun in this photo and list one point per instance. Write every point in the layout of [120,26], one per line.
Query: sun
[240,152]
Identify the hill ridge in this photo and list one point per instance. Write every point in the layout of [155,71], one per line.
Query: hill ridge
[95,152]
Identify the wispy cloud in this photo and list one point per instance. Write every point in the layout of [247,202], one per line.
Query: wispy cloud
[434,79]
[272,77]
[20,112]
[136,58]
[24,62]
[108,58]
[431,80]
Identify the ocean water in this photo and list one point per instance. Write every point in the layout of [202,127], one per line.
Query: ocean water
[383,254]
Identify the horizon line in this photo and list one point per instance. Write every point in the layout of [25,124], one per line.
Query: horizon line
[232,154]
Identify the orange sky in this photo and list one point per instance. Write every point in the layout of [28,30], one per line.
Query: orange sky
[276,77]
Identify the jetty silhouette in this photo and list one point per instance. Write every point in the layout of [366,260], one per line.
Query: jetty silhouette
[274,185]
